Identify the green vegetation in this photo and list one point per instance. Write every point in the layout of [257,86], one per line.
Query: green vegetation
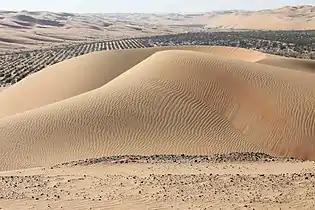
[298,44]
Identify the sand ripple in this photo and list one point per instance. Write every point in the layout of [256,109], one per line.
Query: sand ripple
[170,100]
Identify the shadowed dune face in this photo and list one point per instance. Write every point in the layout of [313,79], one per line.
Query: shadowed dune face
[70,78]
[297,64]
[32,21]
[190,100]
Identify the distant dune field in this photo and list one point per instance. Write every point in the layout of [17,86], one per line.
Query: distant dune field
[21,30]
[169,100]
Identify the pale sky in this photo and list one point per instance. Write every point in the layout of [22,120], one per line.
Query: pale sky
[145,6]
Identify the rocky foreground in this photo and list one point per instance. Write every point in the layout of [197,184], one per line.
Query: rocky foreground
[234,181]
[218,158]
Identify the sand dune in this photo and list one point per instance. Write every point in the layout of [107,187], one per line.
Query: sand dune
[191,100]
[84,73]
[39,25]
[297,64]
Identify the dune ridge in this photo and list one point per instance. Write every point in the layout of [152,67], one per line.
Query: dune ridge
[180,100]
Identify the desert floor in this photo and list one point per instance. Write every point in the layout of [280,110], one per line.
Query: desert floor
[237,181]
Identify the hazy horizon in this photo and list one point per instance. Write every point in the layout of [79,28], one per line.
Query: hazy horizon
[142,6]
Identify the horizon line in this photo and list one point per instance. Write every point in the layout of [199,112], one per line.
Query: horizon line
[195,12]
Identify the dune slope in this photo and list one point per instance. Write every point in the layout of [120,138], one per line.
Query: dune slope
[173,102]
[290,63]
[84,73]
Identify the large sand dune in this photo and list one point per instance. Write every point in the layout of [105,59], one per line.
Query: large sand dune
[84,73]
[191,100]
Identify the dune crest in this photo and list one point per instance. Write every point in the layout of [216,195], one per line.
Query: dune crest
[191,100]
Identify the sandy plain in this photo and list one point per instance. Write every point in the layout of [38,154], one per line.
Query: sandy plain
[237,181]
